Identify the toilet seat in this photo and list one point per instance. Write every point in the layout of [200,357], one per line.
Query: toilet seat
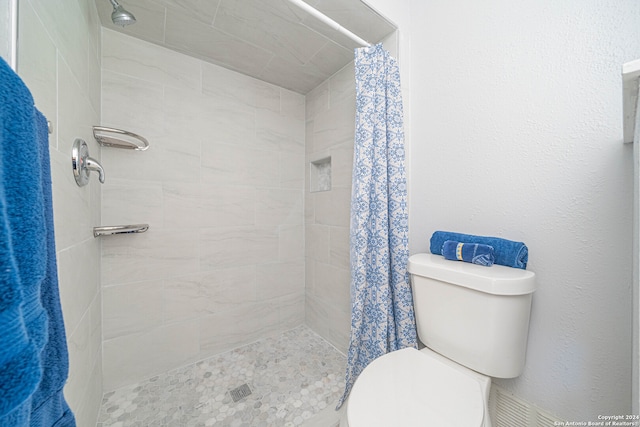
[411,388]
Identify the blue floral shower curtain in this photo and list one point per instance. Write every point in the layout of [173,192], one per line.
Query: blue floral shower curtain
[382,316]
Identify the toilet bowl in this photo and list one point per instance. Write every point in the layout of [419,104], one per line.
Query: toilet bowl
[474,323]
[412,388]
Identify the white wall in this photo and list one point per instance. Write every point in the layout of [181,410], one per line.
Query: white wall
[517,133]
[59,59]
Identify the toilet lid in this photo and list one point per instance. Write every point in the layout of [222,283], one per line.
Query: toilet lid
[411,389]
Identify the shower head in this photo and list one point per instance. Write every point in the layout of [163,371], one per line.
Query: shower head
[120,16]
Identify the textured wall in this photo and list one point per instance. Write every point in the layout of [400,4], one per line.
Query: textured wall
[518,133]
[221,187]
[59,59]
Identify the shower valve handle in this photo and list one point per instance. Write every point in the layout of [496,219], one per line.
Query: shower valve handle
[93,165]
[83,164]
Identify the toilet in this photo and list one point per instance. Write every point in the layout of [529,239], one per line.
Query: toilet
[473,322]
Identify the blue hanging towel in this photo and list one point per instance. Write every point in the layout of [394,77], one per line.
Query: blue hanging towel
[49,408]
[507,252]
[33,351]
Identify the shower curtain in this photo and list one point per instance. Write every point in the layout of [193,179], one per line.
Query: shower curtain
[382,316]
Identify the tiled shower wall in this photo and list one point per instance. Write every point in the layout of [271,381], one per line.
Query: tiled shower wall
[222,189]
[59,60]
[330,112]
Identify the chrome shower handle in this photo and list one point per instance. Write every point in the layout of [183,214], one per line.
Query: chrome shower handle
[93,165]
[83,164]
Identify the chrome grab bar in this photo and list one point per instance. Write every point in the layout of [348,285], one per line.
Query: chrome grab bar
[119,229]
[139,144]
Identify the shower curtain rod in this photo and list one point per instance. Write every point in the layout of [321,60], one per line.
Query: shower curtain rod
[330,22]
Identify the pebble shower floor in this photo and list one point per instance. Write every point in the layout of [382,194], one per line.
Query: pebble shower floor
[290,378]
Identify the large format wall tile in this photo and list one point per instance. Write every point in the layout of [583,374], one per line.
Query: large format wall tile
[141,113]
[277,206]
[236,246]
[233,164]
[136,58]
[78,280]
[69,30]
[227,206]
[275,131]
[222,83]
[38,66]
[157,254]
[330,131]
[221,188]
[230,329]
[131,308]
[206,293]
[291,310]
[143,201]
[291,242]
[84,349]
[292,170]
[216,45]
[72,207]
[144,354]
[329,322]
[58,58]
[278,279]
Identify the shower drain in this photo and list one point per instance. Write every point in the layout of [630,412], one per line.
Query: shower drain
[240,393]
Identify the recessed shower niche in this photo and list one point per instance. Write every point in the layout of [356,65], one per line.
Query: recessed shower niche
[320,175]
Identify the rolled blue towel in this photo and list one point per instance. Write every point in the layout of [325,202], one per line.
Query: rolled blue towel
[507,252]
[475,253]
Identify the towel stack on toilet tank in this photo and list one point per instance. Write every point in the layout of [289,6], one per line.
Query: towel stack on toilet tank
[481,250]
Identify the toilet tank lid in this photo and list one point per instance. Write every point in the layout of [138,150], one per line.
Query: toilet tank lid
[497,279]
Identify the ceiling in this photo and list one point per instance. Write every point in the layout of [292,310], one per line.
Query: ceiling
[271,40]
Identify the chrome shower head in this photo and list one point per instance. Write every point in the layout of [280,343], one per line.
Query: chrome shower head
[120,16]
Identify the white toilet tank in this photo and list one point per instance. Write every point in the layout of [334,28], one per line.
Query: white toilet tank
[474,315]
